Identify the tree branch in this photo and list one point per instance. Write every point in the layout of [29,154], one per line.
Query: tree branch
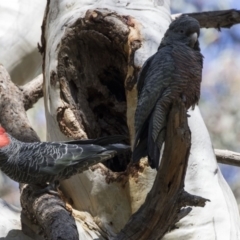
[32,91]
[228,157]
[50,212]
[13,116]
[165,204]
[215,19]
[47,210]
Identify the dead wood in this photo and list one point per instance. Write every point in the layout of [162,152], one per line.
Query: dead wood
[167,202]
[215,19]
[32,92]
[49,212]
[13,116]
[228,157]
[97,98]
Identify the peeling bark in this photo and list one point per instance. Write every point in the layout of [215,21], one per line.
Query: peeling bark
[99,93]
[100,102]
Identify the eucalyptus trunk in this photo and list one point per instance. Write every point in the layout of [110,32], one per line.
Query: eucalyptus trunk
[93,51]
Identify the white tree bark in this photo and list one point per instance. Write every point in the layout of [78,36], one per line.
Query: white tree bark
[219,219]
[103,208]
[156,14]
[109,205]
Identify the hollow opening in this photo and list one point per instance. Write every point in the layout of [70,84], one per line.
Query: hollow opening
[94,68]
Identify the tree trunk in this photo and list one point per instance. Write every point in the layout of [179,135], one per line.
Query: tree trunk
[91,59]
[92,54]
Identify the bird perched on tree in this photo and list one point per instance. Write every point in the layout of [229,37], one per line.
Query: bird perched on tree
[175,70]
[46,162]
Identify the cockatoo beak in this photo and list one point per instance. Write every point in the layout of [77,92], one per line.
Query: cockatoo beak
[193,39]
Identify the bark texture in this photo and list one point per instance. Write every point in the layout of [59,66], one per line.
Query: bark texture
[49,212]
[32,92]
[100,93]
[13,116]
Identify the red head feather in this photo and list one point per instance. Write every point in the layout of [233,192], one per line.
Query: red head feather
[4,139]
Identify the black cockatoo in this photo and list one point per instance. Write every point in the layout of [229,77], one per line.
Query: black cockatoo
[175,70]
[47,162]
